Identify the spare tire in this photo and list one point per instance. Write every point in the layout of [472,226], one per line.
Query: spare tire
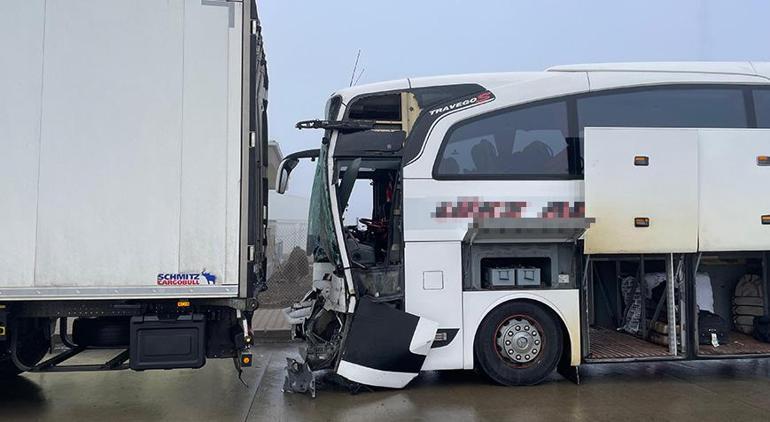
[748,302]
[102,332]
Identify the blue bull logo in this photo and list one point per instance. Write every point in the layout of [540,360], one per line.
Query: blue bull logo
[210,278]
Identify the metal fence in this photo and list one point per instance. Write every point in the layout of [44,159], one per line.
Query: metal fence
[289,271]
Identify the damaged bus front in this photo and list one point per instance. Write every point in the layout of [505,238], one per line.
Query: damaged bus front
[353,320]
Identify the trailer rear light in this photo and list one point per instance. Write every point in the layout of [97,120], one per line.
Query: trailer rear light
[763,160]
[641,160]
[766,219]
[641,222]
[3,322]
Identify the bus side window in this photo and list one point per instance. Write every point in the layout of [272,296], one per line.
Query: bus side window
[666,106]
[523,142]
[718,107]
[762,107]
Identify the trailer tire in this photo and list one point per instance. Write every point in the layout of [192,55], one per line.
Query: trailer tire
[518,343]
[102,332]
[33,343]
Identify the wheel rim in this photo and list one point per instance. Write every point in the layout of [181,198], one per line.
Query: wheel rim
[519,340]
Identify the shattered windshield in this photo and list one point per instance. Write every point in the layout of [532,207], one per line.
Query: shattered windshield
[321,238]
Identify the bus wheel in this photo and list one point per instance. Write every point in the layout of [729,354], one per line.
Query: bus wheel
[518,343]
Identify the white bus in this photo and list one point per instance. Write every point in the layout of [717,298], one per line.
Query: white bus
[523,222]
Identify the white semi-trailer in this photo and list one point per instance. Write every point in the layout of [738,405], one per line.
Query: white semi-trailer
[133,185]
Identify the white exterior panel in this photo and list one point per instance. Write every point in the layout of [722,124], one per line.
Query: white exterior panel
[703,190]
[131,111]
[434,287]
[234,148]
[109,168]
[210,186]
[733,190]
[21,27]
[665,191]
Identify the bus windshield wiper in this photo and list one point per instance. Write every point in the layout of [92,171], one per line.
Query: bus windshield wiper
[341,125]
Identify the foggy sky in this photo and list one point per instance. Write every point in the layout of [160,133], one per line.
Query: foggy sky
[311,45]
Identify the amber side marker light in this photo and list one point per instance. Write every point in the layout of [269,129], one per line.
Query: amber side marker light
[766,219]
[183,304]
[763,160]
[641,222]
[641,160]
[246,359]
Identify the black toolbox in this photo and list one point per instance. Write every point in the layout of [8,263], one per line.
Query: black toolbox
[167,343]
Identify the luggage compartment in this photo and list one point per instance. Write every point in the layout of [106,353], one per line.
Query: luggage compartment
[735,291]
[697,195]
[629,309]
[722,293]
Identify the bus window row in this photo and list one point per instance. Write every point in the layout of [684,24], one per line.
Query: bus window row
[542,141]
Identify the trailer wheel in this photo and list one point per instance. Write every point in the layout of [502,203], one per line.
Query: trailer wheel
[33,343]
[518,343]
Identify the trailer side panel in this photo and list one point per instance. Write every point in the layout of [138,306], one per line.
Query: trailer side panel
[137,143]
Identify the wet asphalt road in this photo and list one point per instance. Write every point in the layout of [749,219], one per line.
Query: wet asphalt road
[687,391]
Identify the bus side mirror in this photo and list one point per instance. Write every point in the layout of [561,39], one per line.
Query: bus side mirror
[284,171]
[287,166]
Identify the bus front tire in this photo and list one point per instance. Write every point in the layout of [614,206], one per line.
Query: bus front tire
[518,343]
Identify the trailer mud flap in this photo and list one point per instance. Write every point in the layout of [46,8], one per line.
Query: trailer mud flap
[385,347]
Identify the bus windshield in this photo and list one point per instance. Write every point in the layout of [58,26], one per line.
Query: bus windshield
[321,238]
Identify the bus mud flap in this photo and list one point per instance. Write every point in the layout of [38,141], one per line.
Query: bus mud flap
[385,347]
[568,371]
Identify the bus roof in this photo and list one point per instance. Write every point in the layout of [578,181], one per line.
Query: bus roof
[493,80]
[729,68]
